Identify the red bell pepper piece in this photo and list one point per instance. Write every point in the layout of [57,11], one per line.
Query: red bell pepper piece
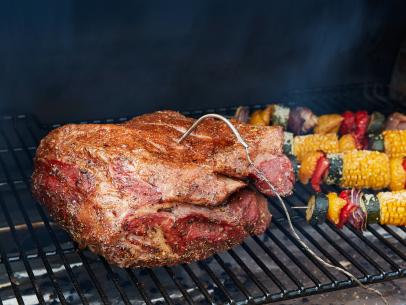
[345,213]
[345,195]
[348,123]
[361,126]
[347,210]
[356,124]
[322,166]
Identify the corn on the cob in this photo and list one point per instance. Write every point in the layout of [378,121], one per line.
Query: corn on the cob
[356,169]
[397,174]
[395,143]
[302,145]
[347,143]
[393,208]
[365,169]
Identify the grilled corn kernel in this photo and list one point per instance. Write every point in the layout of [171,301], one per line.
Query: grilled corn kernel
[347,143]
[395,143]
[308,166]
[397,174]
[302,145]
[393,208]
[365,169]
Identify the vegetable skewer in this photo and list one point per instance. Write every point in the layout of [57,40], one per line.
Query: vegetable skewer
[357,208]
[392,142]
[301,120]
[353,169]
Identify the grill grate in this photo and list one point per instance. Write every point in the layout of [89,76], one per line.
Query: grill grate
[40,264]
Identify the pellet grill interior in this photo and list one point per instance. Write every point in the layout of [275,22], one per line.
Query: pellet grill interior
[107,62]
[40,264]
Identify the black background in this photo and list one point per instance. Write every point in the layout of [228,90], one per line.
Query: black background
[68,60]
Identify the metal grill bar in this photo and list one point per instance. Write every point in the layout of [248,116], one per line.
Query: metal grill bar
[254,273]
[44,219]
[29,226]
[27,266]
[113,276]
[198,283]
[389,245]
[294,258]
[234,278]
[321,249]
[316,262]
[265,269]
[160,287]
[250,274]
[377,250]
[395,235]
[14,286]
[137,284]
[279,263]
[178,284]
[94,278]
[217,281]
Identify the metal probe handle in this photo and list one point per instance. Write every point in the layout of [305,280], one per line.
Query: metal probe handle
[216,116]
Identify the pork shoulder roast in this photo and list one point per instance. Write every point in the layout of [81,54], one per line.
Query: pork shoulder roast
[132,194]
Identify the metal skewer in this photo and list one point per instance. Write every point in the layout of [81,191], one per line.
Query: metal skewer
[303,207]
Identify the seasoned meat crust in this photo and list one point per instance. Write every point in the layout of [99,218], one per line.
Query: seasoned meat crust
[132,194]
